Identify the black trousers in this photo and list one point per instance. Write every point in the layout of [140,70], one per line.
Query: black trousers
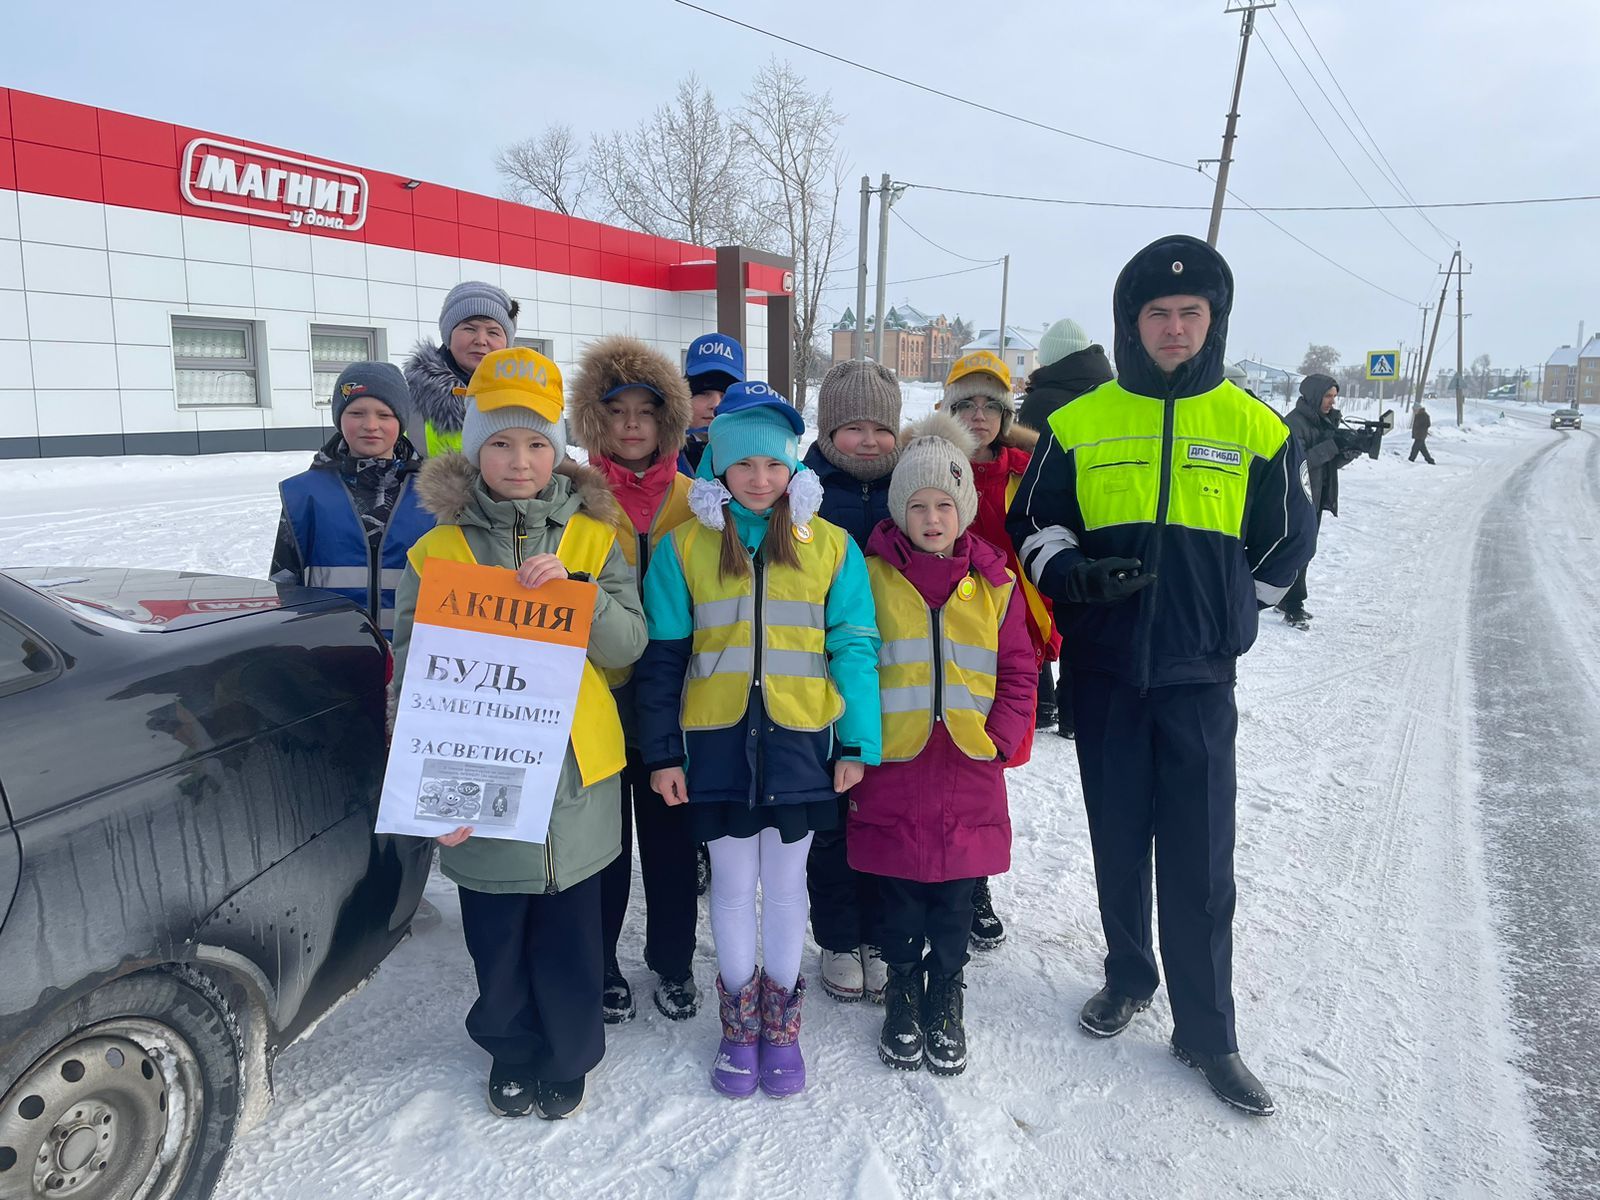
[1059,694]
[667,864]
[938,914]
[1160,768]
[1419,446]
[1295,598]
[539,969]
[844,902]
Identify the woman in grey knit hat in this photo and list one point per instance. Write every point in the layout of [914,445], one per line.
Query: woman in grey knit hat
[475,320]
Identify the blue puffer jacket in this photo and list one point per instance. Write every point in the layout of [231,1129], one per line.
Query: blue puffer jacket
[854,505]
[755,762]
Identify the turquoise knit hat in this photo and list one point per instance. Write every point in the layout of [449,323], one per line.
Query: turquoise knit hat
[1065,337]
[753,420]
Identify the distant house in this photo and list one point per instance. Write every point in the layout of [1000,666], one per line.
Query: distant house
[1021,353]
[1266,380]
[1572,376]
[916,346]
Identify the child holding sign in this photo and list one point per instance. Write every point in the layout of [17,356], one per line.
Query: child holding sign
[957,673]
[531,912]
[758,706]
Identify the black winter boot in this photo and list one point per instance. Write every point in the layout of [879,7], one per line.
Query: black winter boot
[616,1000]
[558,1101]
[987,929]
[1107,1013]
[511,1092]
[900,1043]
[1230,1079]
[944,1033]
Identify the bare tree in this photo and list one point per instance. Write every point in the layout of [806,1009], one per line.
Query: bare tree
[678,175]
[549,170]
[790,136]
[1319,360]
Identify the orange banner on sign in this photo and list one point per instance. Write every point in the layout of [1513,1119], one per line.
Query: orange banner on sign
[483,599]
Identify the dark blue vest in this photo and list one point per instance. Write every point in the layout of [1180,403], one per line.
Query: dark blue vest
[333,544]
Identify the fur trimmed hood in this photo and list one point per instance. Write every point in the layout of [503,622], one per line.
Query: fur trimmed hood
[432,381]
[616,361]
[447,488]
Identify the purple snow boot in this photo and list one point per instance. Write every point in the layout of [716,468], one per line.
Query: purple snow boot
[783,1069]
[734,1072]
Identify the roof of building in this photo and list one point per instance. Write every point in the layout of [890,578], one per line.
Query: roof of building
[1261,370]
[1591,348]
[1567,356]
[1016,339]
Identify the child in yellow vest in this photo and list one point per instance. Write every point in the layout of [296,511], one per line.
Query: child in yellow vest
[957,676]
[531,913]
[758,707]
[630,409]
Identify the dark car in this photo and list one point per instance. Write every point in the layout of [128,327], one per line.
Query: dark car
[190,768]
[1566,418]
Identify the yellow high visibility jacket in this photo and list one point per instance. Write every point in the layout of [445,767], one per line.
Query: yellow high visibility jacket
[936,664]
[597,742]
[774,617]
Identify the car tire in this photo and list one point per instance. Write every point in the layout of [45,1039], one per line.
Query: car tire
[98,1093]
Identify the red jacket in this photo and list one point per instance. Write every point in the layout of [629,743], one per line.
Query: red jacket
[991,480]
[943,815]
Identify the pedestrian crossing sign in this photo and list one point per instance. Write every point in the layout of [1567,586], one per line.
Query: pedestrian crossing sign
[1380,363]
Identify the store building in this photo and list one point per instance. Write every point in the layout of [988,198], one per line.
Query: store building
[165,290]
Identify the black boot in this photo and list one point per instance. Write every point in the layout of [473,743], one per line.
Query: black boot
[1044,715]
[1107,1013]
[900,1043]
[677,999]
[511,1092]
[987,929]
[944,1033]
[616,1001]
[558,1101]
[1230,1079]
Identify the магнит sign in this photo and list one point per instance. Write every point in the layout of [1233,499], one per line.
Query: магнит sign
[302,193]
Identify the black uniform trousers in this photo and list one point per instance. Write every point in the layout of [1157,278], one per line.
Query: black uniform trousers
[1161,768]
[539,968]
[938,915]
[1295,598]
[1057,693]
[844,901]
[1419,446]
[667,864]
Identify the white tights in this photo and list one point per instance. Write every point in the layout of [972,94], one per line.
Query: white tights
[736,866]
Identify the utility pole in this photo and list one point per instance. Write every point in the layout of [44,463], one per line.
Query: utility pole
[858,338]
[1422,337]
[1461,407]
[1005,287]
[884,200]
[1247,26]
[1433,338]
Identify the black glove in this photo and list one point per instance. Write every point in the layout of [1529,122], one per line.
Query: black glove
[1105,580]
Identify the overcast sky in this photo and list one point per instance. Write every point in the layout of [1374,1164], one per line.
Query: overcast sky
[1468,99]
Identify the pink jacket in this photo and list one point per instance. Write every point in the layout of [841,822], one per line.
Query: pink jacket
[943,815]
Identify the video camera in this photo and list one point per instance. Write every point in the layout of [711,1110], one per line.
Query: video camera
[1357,437]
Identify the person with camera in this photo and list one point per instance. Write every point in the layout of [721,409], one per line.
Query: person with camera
[1315,421]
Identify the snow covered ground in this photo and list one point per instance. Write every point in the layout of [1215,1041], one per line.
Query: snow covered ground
[1371,981]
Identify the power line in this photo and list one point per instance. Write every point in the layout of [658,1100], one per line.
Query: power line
[1010,116]
[1267,46]
[937,246]
[841,287]
[1264,208]
[923,87]
[1398,182]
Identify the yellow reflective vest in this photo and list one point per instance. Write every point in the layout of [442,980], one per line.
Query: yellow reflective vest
[637,546]
[774,617]
[937,664]
[597,742]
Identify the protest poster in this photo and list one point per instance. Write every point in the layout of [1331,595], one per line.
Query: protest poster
[486,703]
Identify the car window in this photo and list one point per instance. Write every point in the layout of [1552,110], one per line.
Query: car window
[25,659]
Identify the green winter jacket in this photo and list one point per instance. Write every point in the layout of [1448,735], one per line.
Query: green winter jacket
[585,824]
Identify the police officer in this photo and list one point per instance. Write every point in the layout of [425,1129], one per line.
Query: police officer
[1160,512]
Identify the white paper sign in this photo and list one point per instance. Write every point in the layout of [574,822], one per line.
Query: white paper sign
[484,716]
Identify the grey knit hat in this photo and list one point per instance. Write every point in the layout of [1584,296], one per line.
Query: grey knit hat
[1065,337]
[475,298]
[857,390]
[379,380]
[935,453]
[478,427]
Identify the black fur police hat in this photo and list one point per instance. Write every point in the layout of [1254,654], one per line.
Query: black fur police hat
[1175,266]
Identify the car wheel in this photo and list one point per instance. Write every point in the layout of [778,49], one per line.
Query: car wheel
[131,1092]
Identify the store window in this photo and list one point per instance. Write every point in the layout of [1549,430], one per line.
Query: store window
[540,345]
[333,348]
[215,363]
